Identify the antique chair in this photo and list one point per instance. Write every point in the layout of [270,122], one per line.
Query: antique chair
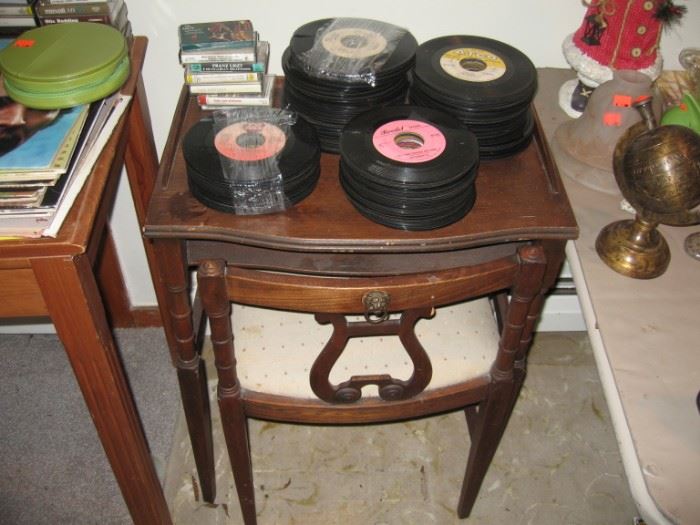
[470,356]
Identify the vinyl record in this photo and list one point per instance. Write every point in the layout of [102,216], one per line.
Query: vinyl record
[409,145]
[258,159]
[352,43]
[476,68]
[412,223]
[409,167]
[338,68]
[486,84]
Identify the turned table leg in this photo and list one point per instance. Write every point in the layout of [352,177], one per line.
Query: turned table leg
[176,310]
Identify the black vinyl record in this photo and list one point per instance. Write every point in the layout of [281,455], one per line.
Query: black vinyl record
[474,68]
[361,43]
[409,167]
[338,68]
[486,84]
[263,172]
[444,149]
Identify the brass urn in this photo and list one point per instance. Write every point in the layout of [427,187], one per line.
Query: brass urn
[658,171]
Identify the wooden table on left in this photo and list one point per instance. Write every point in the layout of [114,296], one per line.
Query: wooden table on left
[74,278]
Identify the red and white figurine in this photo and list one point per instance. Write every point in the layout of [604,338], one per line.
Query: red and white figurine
[614,35]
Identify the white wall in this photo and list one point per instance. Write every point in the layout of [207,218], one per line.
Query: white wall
[536,27]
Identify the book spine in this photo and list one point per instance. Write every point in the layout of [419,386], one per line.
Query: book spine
[223,46]
[120,18]
[59,2]
[17,21]
[15,10]
[101,8]
[223,67]
[217,78]
[225,88]
[99,19]
[233,56]
[230,100]
[217,35]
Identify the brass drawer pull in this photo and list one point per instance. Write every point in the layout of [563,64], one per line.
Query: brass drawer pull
[376,305]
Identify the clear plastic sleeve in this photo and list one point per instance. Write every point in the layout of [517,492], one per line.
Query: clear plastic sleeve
[249,142]
[352,49]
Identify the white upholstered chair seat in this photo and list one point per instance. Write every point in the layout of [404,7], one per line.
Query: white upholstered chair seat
[276,349]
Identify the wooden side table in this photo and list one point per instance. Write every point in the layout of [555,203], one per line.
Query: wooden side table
[58,277]
[520,200]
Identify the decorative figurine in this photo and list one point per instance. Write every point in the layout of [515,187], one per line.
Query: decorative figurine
[614,35]
[658,170]
[585,145]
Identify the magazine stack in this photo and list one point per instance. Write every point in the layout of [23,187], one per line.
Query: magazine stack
[226,64]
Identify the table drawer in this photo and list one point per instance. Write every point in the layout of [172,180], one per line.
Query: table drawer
[347,295]
[21,296]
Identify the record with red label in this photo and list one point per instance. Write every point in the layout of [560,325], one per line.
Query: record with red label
[252,166]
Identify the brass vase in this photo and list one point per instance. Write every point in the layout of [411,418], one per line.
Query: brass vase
[658,171]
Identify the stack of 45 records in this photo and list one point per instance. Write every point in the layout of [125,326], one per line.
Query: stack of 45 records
[486,84]
[252,161]
[337,68]
[409,167]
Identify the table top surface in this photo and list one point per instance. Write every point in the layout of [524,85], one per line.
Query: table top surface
[518,198]
[651,337]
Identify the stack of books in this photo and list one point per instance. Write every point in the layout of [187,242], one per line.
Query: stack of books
[45,157]
[226,64]
[16,16]
[111,12]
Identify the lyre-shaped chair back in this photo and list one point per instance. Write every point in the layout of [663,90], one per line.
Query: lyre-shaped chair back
[441,376]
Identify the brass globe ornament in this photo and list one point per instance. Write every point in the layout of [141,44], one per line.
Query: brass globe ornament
[658,171]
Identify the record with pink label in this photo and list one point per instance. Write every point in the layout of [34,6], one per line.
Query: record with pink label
[409,141]
[250,141]
[409,167]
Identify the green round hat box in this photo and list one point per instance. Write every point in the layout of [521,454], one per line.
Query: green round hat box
[65,65]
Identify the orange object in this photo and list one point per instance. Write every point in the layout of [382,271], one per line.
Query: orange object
[23,42]
[612,118]
[622,101]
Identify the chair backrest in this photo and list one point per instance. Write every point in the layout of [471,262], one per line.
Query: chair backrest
[487,397]
[415,296]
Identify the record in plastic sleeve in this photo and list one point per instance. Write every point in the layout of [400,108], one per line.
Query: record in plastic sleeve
[353,42]
[250,141]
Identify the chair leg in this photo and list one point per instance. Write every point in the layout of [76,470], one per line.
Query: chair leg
[235,426]
[212,285]
[192,379]
[487,423]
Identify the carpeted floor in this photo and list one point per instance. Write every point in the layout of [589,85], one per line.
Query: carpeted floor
[53,467]
[558,463]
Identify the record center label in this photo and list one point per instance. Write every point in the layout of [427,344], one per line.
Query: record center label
[472,64]
[353,42]
[250,141]
[409,141]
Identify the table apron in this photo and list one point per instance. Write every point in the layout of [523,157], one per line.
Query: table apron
[345,263]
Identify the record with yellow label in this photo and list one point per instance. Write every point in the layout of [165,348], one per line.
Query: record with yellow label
[487,84]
